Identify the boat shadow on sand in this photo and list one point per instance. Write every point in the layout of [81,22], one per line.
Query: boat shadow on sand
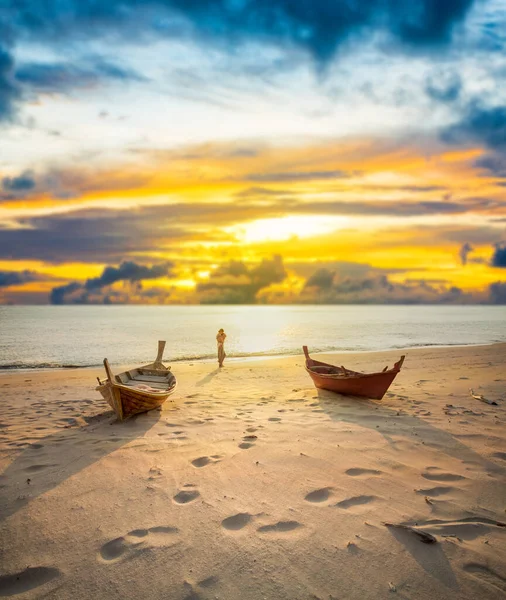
[44,465]
[415,435]
[414,431]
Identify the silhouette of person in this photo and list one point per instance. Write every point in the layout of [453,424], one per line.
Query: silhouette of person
[220,339]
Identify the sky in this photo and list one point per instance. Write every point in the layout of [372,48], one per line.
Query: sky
[252,151]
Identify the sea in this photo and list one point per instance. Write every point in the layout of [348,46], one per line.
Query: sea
[56,337]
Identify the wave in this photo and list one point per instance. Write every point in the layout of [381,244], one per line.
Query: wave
[20,366]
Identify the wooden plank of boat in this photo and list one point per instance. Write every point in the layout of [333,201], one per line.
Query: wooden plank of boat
[352,383]
[151,378]
[128,395]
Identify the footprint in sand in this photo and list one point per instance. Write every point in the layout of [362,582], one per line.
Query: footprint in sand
[275,419]
[248,441]
[321,495]
[487,575]
[355,501]
[29,579]
[136,541]
[236,522]
[186,496]
[35,468]
[193,589]
[362,472]
[251,429]
[442,476]
[435,491]
[280,527]
[206,460]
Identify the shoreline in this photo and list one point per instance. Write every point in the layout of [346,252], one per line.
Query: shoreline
[247,358]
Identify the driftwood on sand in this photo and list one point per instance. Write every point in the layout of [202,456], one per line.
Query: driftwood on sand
[482,398]
[425,537]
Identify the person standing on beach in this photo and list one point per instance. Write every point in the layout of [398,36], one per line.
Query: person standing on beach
[220,339]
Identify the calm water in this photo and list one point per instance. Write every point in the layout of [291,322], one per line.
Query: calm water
[55,336]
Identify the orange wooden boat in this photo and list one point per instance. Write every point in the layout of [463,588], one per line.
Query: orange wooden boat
[351,383]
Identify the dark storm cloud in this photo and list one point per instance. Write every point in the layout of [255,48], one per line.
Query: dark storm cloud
[9,278]
[128,271]
[329,288]
[9,93]
[499,256]
[92,290]
[479,125]
[493,164]
[497,292]
[21,183]
[238,283]
[319,26]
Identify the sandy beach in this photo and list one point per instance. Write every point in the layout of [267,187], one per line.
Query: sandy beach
[252,484]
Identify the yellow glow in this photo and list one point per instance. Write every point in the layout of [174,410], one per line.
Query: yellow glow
[284,228]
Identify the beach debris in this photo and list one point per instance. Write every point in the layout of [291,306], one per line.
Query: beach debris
[428,500]
[482,398]
[425,537]
[392,587]
[28,481]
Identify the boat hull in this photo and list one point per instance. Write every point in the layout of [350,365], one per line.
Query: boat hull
[129,402]
[351,383]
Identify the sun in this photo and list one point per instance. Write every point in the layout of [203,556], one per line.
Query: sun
[284,228]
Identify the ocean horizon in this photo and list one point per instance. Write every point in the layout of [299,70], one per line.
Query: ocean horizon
[47,337]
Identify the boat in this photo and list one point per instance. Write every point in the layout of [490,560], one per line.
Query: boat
[351,383]
[138,390]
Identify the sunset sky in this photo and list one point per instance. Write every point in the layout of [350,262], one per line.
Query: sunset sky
[242,151]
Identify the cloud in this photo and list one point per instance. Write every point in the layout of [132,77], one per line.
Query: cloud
[69,183]
[98,290]
[22,183]
[319,27]
[499,256]
[294,176]
[237,283]
[322,279]
[128,271]
[10,278]
[444,87]
[64,77]
[398,208]
[497,292]
[495,164]
[464,252]
[479,125]
[108,235]
[377,290]
[9,93]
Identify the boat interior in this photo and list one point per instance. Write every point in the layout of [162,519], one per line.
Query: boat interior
[156,379]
